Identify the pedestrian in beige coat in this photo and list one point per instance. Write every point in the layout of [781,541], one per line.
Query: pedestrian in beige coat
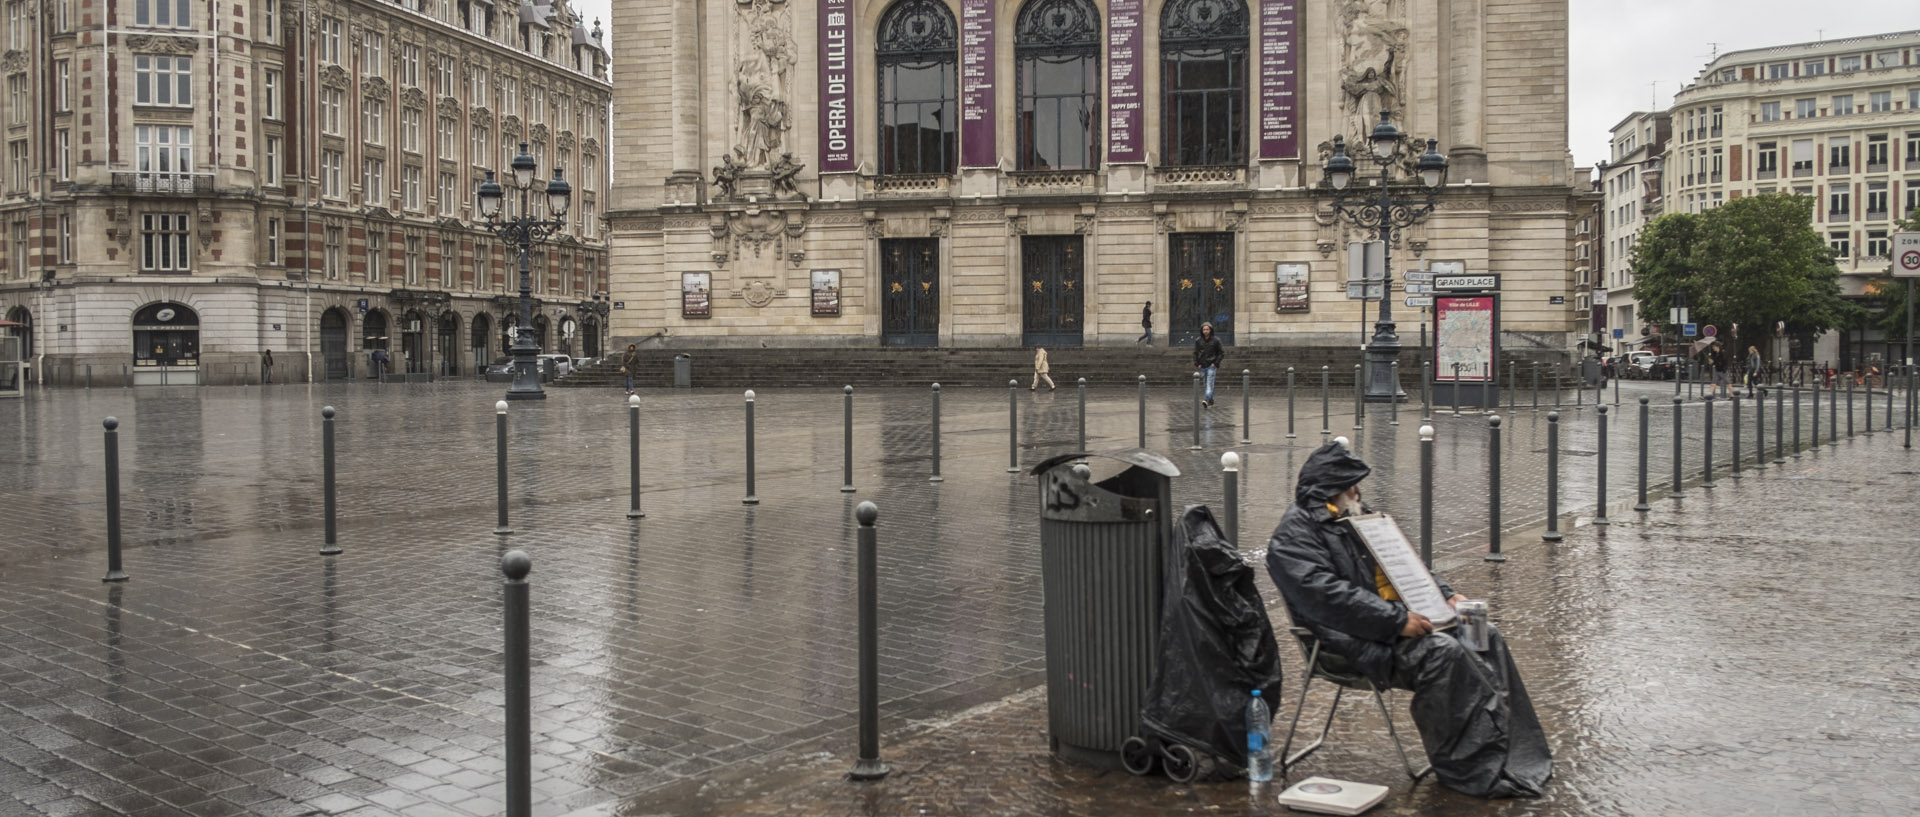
[1040,369]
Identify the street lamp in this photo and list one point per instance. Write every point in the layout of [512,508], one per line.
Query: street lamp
[522,232]
[1381,213]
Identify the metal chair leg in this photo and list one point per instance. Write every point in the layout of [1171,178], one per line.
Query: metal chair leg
[1381,699]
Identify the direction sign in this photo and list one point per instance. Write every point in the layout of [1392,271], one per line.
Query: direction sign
[1465,282]
[1371,292]
[1420,300]
[1418,289]
[1415,276]
[1688,330]
[1906,255]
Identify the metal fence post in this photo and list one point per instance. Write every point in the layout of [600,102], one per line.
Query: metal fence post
[1489,397]
[1735,444]
[1833,414]
[1290,434]
[1246,407]
[1869,404]
[1393,403]
[1796,421]
[1780,423]
[846,448]
[1143,411]
[1889,390]
[1644,434]
[1759,430]
[1082,388]
[1676,493]
[1910,393]
[1326,414]
[1230,486]
[1600,484]
[1426,495]
[751,498]
[869,766]
[1359,395]
[1513,388]
[1013,427]
[1493,490]
[1535,367]
[500,465]
[1553,478]
[331,546]
[1453,390]
[633,457]
[1426,388]
[936,436]
[1816,414]
[115,572]
[1849,408]
[518,668]
[1707,441]
[1196,412]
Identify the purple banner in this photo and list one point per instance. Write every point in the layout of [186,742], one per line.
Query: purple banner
[1124,130]
[836,86]
[977,146]
[1279,49]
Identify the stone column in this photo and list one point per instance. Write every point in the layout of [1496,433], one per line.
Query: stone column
[1466,91]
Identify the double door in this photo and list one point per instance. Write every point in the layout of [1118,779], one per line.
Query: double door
[910,292]
[1053,290]
[1200,279]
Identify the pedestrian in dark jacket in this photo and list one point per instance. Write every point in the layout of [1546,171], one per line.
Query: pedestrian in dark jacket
[1474,715]
[1146,324]
[630,363]
[1207,353]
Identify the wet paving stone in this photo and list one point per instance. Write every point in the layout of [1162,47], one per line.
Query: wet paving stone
[714,640]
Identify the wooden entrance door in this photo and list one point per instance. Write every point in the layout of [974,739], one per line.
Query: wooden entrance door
[1200,279]
[910,292]
[1052,290]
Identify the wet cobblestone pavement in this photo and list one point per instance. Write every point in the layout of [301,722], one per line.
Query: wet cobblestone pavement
[1743,650]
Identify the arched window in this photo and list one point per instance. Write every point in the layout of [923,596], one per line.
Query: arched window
[917,53]
[166,334]
[1203,82]
[1057,59]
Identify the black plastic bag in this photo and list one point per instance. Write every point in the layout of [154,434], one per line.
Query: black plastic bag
[1216,644]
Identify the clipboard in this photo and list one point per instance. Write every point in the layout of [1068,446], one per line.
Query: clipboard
[1403,568]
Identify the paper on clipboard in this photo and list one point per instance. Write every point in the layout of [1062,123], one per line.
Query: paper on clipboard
[1408,575]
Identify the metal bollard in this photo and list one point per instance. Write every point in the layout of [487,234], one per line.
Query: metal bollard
[1849,409]
[1393,403]
[500,465]
[1083,414]
[1707,442]
[750,498]
[633,458]
[1513,387]
[1454,391]
[936,436]
[1796,421]
[1230,486]
[1616,386]
[518,668]
[90,379]
[869,766]
[1557,387]
[1359,399]
[1290,434]
[1246,407]
[1553,478]
[1833,414]
[1426,495]
[1426,388]
[1600,483]
[1676,493]
[1910,401]
[1644,433]
[1489,401]
[1535,366]
[1013,427]
[1869,405]
[1579,392]
[1326,413]
[112,449]
[1780,424]
[1493,490]
[1889,391]
[1735,443]
[1196,413]
[1759,430]
[1143,411]
[331,546]
[846,448]
[1816,414]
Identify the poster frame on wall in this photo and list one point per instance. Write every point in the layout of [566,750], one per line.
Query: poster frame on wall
[1480,386]
[696,295]
[825,292]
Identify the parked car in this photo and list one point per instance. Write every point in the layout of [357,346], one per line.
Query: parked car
[500,371]
[1638,365]
[1665,366]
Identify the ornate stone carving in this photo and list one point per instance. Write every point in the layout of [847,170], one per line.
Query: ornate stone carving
[1016,225]
[333,76]
[203,225]
[15,60]
[1373,64]
[479,115]
[761,91]
[538,132]
[786,172]
[592,146]
[1083,223]
[374,87]
[876,225]
[413,98]
[758,293]
[448,106]
[150,44]
[937,226]
[119,222]
[754,232]
[564,141]
[1166,222]
[1327,237]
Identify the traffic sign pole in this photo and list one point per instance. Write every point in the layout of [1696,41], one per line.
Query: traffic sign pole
[1906,264]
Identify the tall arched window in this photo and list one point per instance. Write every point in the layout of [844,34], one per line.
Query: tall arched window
[1203,82]
[917,51]
[1057,53]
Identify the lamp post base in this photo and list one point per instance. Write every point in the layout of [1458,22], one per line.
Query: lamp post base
[1381,386]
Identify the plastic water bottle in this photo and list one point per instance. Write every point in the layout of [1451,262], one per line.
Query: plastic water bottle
[1259,748]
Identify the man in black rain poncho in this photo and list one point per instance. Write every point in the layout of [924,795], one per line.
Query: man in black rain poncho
[1473,713]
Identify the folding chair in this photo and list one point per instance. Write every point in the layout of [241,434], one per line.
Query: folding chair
[1335,670]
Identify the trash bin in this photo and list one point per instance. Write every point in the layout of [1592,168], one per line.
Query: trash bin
[1590,370]
[1102,547]
[683,371]
[546,369]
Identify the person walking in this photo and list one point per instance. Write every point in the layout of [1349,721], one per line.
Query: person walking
[629,362]
[1717,361]
[1040,369]
[1146,324]
[379,364]
[1207,354]
[266,366]
[1753,367]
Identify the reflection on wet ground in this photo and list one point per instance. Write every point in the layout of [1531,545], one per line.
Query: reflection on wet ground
[240,672]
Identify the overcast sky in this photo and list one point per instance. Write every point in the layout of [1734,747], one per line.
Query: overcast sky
[1631,55]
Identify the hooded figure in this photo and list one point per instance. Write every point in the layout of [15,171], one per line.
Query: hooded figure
[1473,713]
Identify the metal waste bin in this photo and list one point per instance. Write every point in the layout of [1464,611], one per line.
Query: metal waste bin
[683,371]
[1102,545]
[1590,370]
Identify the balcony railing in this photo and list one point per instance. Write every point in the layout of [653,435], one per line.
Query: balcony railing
[165,183]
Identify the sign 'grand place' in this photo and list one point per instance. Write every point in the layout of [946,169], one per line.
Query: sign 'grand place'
[998,172]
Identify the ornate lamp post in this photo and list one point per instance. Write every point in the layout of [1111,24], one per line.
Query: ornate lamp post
[1381,212]
[523,231]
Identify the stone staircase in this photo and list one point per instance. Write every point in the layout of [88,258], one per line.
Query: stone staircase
[1107,366]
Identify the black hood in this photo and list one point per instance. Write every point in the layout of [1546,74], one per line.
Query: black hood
[1329,470]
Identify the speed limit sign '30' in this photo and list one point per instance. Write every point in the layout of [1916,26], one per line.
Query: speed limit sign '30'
[1906,255]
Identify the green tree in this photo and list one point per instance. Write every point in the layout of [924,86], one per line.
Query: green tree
[1885,297]
[1753,262]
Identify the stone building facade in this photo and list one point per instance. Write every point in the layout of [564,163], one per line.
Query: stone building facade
[1003,172]
[1631,182]
[190,184]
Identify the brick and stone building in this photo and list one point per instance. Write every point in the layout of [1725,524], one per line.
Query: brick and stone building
[1630,181]
[1006,172]
[191,183]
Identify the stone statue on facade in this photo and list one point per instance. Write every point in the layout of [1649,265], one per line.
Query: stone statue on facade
[726,175]
[760,80]
[785,173]
[1373,66]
